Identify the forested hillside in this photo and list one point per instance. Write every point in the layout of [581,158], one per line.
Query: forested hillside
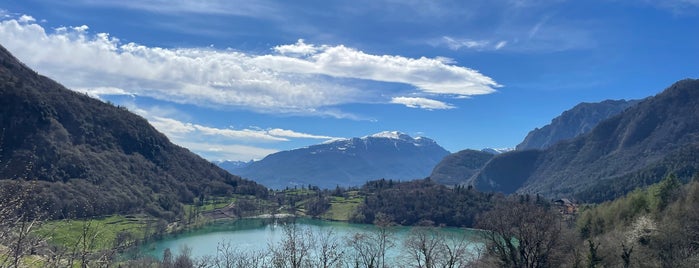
[85,157]
[657,226]
[421,201]
[458,167]
[633,149]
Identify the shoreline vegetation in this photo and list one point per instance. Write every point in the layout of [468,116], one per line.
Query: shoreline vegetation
[570,237]
[593,235]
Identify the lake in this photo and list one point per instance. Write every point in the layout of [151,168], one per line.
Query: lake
[259,235]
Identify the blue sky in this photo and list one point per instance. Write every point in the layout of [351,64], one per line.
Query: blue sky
[237,80]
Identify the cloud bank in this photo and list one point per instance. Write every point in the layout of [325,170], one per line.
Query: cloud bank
[296,78]
[222,143]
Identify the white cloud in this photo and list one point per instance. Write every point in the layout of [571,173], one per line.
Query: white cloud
[431,75]
[232,152]
[299,78]
[26,19]
[97,92]
[244,134]
[221,143]
[170,127]
[293,134]
[454,43]
[175,128]
[535,29]
[298,49]
[423,103]
[500,45]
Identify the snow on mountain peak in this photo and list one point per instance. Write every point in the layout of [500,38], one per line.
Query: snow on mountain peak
[390,135]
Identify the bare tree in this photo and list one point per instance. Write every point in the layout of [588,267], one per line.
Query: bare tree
[521,234]
[329,252]
[430,247]
[229,256]
[184,258]
[423,246]
[84,247]
[18,220]
[365,250]
[370,248]
[295,247]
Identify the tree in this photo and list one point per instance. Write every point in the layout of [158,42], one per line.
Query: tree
[184,258]
[370,247]
[423,245]
[365,250]
[521,234]
[329,252]
[667,191]
[430,247]
[19,217]
[294,249]
[167,259]
[593,258]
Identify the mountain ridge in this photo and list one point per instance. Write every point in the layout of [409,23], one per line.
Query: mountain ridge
[573,122]
[642,136]
[348,162]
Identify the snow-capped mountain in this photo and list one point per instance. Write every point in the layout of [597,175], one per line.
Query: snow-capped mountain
[348,162]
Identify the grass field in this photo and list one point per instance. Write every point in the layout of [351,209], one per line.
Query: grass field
[104,230]
[341,208]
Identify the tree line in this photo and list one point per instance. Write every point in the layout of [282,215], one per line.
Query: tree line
[657,226]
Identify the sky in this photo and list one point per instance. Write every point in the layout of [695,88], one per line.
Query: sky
[238,80]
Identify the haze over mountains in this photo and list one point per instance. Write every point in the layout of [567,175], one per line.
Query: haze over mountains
[348,162]
[92,158]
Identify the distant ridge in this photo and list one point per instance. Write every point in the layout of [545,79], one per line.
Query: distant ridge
[91,158]
[574,122]
[497,150]
[348,162]
[457,168]
[637,147]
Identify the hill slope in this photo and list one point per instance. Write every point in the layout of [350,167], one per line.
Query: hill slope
[348,162]
[92,158]
[458,167]
[574,122]
[658,135]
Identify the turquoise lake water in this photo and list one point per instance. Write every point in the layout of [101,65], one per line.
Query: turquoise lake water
[261,234]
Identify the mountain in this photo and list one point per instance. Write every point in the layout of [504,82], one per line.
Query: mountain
[231,165]
[461,166]
[458,167]
[81,157]
[637,147]
[348,162]
[496,150]
[574,122]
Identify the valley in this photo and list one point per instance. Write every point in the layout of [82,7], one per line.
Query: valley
[517,134]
